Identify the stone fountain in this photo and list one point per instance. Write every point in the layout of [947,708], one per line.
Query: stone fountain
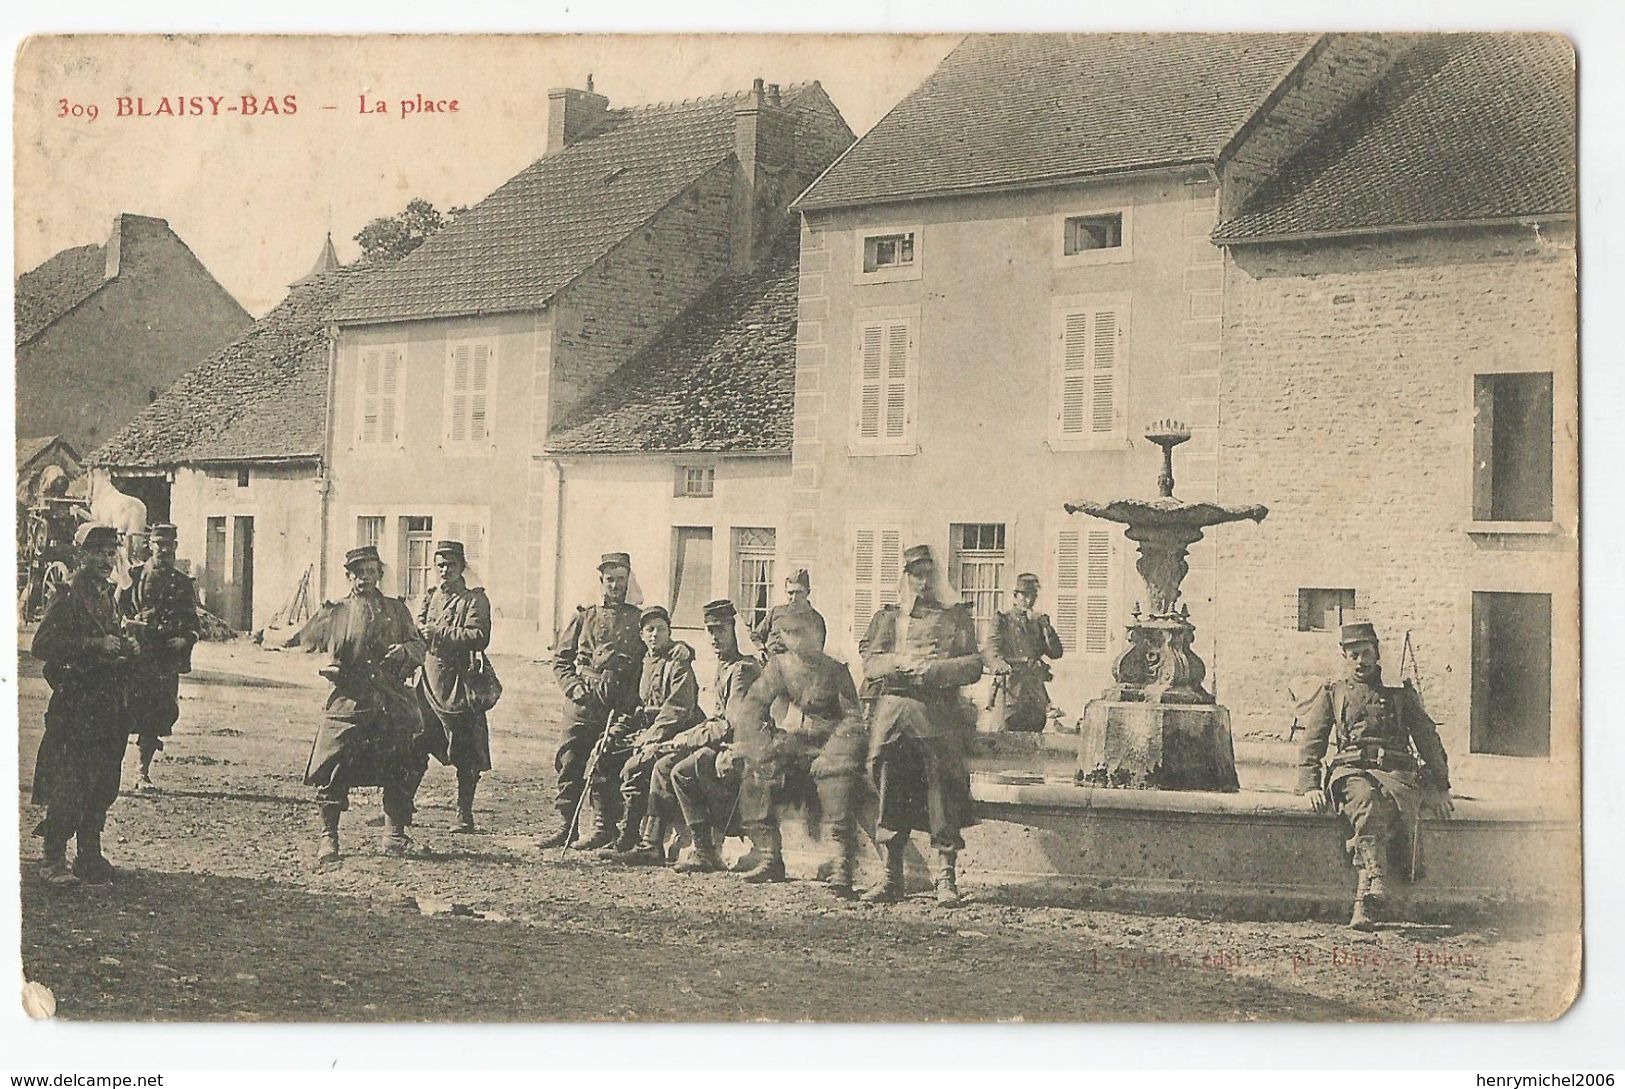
[1157,726]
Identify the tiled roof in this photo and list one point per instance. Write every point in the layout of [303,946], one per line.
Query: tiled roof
[264,396]
[31,447]
[1467,127]
[553,220]
[1011,109]
[722,377]
[60,284]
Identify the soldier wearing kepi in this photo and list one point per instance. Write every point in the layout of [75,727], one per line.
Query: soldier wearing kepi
[916,658]
[688,784]
[88,664]
[371,735]
[1022,638]
[455,620]
[1358,759]
[797,595]
[163,603]
[593,661]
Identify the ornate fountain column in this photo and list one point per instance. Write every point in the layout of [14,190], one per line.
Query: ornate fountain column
[1157,725]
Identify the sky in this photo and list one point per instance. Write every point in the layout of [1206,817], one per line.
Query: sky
[254,196]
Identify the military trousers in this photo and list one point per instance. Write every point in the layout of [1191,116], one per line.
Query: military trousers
[83,772]
[584,724]
[1366,806]
[921,788]
[688,787]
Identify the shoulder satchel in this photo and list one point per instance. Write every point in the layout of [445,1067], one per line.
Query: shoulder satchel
[481,685]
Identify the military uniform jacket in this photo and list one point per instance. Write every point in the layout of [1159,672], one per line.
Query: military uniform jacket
[365,626]
[925,704]
[89,688]
[165,599]
[593,637]
[762,630]
[1354,726]
[1024,640]
[735,675]
[455,624]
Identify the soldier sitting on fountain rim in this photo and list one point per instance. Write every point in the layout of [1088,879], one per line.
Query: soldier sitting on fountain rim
[1358,759]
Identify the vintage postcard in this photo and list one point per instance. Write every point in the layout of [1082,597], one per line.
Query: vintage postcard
[1043,527]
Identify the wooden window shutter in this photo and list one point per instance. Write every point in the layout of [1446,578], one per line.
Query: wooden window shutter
[871,386]
[877,565]
[898,352]
[1088,365]
[479,393]
[1097,602]
[389,404]
[367,395]
[472,533]
[1103,374]
[1074,376]
[1068,586]
[457,401]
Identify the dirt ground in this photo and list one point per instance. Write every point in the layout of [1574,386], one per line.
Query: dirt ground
[220,916]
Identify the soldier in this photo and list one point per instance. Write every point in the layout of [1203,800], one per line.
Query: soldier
[916,658]
[163,602]
[693,781]
[1372,776]
[1020,642]
[810,754]
[797,595]
[88,663]
[371,735]
[593,662]
[668,704]
[455,620]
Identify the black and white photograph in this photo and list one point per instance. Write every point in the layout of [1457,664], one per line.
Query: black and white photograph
[977,527]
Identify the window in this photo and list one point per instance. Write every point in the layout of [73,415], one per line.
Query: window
[696,481]
[469,371]
[888,254]
[1086,384]
[369,530]
[886,358]
[378,409]
[753,573]
[877,566]
[691,575]
[1097,232]
[1083,581]
[242,478]
[417,536]
[1512,674]
[887,251]
[1324,610]
[976,560]
[1512,447]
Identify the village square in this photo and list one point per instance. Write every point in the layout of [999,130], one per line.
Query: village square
[1101,545]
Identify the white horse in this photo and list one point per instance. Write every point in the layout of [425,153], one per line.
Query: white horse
[125,513]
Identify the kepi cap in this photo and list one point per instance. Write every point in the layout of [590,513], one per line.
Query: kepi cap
[1359,632]
[917,554]
[358,555]
[1027,583]
[615,559]
[654,612]
[95,535]
[720,611]
[163,531]
[450,548]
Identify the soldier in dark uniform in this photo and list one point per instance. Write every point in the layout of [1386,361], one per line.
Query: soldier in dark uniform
[916,658]
[688,785]
[668,704]
[1020,641]
[371,735]
[809,754]
[88,664]
[164,602]
[455,620]
[594,662]
[797,595]
[1358,759]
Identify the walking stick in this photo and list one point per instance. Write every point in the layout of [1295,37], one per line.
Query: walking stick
[586,785]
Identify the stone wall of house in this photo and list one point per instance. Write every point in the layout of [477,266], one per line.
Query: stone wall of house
[1347,407]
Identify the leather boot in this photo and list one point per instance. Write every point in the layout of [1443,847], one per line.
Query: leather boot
[890,890]
[54,866]
[627,839]
[327,847]
[394,841]
[748,861]
[467,784]
[770,870]
[703,857]
[90,865]
[945,880]
[845,864]
[1369,852]
[1361,919]
[143,781]
[560,835]
[650,849]
[604,829]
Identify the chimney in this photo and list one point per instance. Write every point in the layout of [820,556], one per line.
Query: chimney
[115,246]
[765,145]
[123,237]
[572,114]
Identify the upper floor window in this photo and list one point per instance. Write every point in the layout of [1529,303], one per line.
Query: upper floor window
[470,370]
[1092,237]
[696,481]
[885,370]
[1512,447]
[1087,371]
[378,397]
[242,478]
[888,254]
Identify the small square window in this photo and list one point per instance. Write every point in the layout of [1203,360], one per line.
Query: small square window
[696,481]
[1324,610]
[242,478]
[883,251]
[1097,232]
